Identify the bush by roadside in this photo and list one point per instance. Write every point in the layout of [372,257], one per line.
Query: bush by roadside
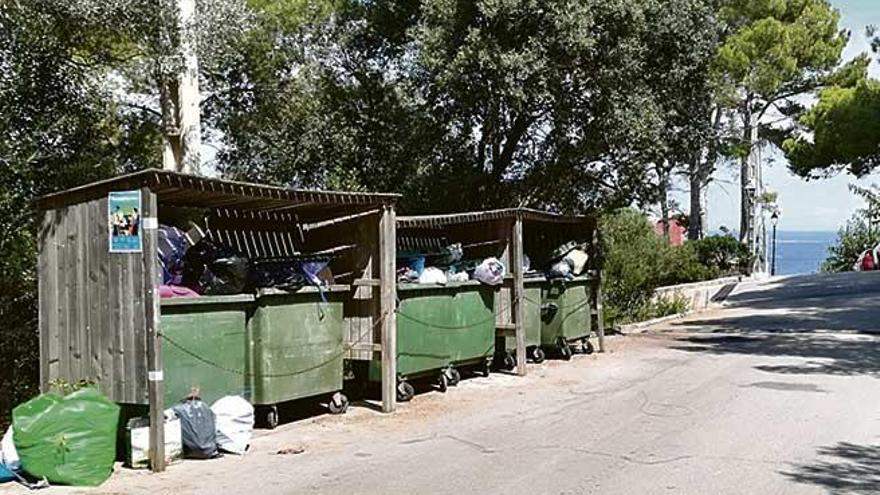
[638,261]
[852,241]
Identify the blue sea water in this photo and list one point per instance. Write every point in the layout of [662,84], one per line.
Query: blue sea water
[799,252]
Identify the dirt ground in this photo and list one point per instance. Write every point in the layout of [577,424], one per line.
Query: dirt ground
[326,435]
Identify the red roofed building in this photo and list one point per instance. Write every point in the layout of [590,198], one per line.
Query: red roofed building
[677,232]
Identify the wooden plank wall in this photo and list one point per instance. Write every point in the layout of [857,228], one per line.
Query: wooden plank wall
[92,315]
[363,309]
[353,242]
[504,296]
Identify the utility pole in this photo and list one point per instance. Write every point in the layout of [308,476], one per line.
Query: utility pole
[180,98]
[753,232]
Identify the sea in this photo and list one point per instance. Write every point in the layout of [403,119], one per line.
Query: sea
[801,252]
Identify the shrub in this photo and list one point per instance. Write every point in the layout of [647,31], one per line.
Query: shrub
[722,254]
[638,261]
[631,249]
[852,240]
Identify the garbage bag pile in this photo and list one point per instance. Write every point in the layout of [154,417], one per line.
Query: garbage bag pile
[191,268]
[569,261]
[449,267]
[566,262]
[67,439]
[71,439]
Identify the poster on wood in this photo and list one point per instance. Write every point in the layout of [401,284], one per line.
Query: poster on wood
[125,221]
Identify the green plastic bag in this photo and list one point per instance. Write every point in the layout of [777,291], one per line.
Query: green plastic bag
[70,439]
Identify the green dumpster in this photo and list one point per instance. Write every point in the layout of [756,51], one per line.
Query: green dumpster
[440,327]
[205,346]
[567,315]
[296,348]
[532,322]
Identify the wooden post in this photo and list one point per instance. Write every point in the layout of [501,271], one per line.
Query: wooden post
[387,303]
[155,383]
[597,292]
[518,314]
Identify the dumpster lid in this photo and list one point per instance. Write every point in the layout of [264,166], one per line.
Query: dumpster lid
[202,300]
[306,289]
[451,285]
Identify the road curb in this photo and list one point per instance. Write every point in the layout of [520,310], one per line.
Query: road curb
[643,326]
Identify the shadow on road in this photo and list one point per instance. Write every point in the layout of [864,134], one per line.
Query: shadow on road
[828,355]
[831,321]
[809,287]
[845,468]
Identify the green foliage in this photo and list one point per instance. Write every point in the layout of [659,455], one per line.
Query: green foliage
[777,46]
[59,127]
[852,241]
[637,261]
[723,255]
[844,132]
[493,103]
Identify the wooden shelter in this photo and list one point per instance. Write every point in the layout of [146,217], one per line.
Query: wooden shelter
[508,234]
[99,311]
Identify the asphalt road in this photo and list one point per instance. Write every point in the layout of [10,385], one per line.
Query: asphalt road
[776,394]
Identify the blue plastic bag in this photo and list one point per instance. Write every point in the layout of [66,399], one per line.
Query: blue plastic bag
[6,474]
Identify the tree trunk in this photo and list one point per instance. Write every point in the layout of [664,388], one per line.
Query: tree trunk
[696,228]
[746,185]
[664,203]
[179,99]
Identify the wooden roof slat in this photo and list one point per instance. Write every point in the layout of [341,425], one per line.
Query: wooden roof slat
[429,221]
[211,192]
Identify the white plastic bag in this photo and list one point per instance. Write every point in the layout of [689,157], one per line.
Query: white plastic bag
[8,454]
[560,269]
[235,423]
[578,260]
[458,277]
[490,272]
[139,441]
[432,275]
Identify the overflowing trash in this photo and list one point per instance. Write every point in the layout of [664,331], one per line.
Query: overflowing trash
[235,423]
[214,269]
[137,453]
[490,272]
[8,454]
[6,474]
[569,261]
[70,439]
[198,429]
[432,275]
[173,244]
[449,265]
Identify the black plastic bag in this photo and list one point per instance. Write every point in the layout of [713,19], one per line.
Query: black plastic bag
[214,269]
[284,275]
[198,429]
[173,245]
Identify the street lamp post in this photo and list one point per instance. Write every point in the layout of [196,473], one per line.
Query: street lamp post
[774,218]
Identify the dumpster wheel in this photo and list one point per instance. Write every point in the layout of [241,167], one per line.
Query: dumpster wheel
[270,417]
[563,348]
[486,367]
[405,391]
[442,382]
[453,376]
[538,355]
[509,361]
[586,346]
[338,404]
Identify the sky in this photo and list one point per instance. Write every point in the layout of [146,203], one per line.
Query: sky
[814,205]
